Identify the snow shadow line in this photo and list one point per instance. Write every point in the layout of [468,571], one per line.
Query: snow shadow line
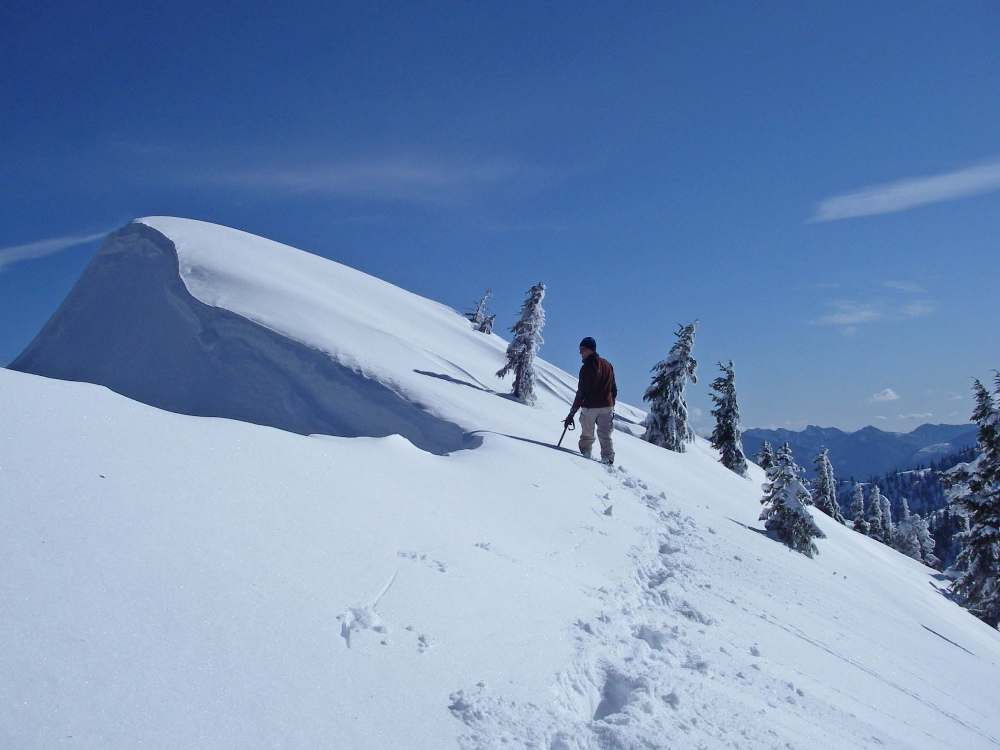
[947,639]
[550,446]
[749,528]
[458,381]
[450,379]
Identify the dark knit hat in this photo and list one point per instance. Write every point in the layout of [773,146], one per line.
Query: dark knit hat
[589,343]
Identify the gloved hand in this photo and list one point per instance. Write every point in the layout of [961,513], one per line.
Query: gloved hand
[569,423]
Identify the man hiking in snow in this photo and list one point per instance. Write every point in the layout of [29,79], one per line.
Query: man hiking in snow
[595,398]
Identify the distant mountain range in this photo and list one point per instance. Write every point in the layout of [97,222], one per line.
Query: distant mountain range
[868,451]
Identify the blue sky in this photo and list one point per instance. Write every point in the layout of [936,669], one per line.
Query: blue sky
[817,183]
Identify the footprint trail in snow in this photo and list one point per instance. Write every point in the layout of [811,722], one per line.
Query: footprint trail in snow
[647,669]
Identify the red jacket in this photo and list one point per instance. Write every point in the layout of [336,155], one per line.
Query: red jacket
[597,386]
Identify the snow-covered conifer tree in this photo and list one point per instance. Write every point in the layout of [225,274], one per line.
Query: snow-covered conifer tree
[487,325]
[479,314]
[824,491]
[525,344]
[727,437]
[765,458]
[925,540]
[975,489]
[875,526]
[887,525]
[904,535]
[667,423]
[785,514]
[858,509]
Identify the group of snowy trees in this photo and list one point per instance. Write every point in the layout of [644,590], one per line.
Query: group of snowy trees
[923,490]
[910,534]
[667,424]
[785,493]
[972,520]
[975,493]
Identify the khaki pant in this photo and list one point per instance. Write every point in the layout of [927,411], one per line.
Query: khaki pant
[603,419]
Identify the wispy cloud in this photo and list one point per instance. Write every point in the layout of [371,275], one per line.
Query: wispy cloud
[40,248]
[886,394]
[910,192]
[846,313]
[405,178]
[917,415]
[849,314]
[916,309]
[903,286]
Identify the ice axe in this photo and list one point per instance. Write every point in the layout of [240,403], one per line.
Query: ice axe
[566,426]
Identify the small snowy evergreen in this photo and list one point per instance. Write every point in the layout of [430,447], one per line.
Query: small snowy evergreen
[480,313]
[858,509]
[525,344]
[825,487]
[487,325]
[904,535]
[726,437]
[667,423]
[876,527]
[785,514]
[925,539]
[911,535]
[887,524]
[765,458]
[975,489]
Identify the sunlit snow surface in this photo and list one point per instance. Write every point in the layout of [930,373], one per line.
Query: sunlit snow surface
[172,581]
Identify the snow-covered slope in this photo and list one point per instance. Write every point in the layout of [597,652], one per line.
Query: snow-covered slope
[206,320]
[179,582]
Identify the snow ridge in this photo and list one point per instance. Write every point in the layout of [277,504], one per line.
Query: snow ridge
[132,325]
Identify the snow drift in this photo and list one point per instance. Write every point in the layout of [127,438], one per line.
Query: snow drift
[179,582]
[131,324]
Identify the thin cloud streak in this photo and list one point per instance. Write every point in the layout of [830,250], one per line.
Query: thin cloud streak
[910,192]
[41,248]
[848,314]
[903,286]
[916,309]
[407,179]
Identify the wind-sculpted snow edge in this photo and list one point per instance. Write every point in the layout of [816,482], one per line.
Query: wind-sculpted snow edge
[131,324]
